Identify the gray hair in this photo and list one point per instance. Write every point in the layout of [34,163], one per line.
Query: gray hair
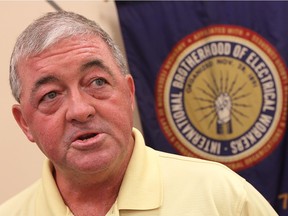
[46,31]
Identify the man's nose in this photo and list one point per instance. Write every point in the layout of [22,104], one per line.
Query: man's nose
[80,108]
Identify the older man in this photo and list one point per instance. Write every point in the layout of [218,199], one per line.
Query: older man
[75,100]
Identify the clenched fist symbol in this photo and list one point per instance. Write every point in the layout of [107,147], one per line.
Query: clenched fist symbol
[223,106]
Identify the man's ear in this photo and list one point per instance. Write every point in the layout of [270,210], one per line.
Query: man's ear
[18,116]
[131,86]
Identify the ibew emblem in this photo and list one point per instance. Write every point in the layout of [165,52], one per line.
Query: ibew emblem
[221,96]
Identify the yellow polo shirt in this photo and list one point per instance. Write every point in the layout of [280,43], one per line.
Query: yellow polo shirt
[155,184]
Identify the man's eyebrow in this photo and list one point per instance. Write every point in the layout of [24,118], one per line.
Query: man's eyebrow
[98,64]
[44,80]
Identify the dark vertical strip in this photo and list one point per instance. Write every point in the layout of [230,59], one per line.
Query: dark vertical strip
[54,5]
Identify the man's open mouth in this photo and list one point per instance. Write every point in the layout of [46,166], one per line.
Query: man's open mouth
[86,136]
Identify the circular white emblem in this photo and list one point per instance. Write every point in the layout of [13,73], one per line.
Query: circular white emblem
[222,95]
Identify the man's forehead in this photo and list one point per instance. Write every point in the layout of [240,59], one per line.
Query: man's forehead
[94,58]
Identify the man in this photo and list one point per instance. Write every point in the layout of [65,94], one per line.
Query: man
[76,101]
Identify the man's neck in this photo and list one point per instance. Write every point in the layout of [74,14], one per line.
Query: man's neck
[91,194]
[85,197]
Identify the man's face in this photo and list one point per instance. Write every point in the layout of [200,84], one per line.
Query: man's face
[76,105]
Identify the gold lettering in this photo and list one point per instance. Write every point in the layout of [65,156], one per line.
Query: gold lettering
[284,198]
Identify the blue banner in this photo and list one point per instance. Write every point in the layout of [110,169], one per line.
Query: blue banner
[211,82]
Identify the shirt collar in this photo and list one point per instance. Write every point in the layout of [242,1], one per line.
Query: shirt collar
[141,187]
[50,200]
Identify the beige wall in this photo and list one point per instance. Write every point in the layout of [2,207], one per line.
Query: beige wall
[20,160]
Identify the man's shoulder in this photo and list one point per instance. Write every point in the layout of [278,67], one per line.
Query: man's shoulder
[202,178]
[21,202]
[205,183]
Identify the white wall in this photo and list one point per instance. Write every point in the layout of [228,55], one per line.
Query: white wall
[20,160]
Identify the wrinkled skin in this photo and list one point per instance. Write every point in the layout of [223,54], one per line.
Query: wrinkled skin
[77,106]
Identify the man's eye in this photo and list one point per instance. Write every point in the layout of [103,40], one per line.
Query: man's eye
[100,81]
[49,96]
